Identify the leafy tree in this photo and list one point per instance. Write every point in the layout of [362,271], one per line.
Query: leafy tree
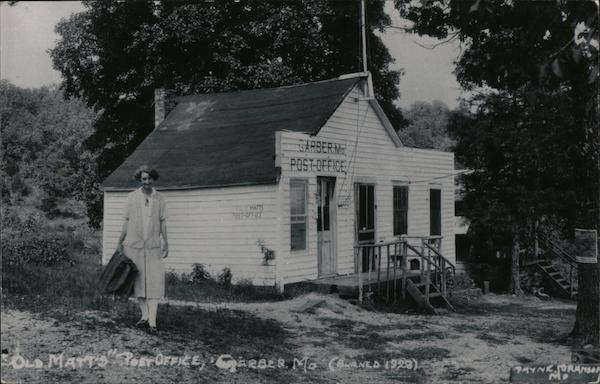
[42,151]
[115,54]
[537,56]
[427,126]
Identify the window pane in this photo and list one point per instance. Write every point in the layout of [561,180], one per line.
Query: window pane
[400,211]
[298,215]
[362,208]
[370,207]
[435,212]
[319,207]
[298,197]
[298,236]
[326,207]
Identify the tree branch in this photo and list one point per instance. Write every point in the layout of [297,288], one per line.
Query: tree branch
[453,37]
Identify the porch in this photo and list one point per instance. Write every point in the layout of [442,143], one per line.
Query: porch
[412,265]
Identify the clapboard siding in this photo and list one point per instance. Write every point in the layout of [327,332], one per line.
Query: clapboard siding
[371,157]
[213,226]
[209,226]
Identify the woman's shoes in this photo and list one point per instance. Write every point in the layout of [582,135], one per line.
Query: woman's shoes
[142,323]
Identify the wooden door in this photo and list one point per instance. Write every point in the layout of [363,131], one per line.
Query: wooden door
[326,219]
[365,217]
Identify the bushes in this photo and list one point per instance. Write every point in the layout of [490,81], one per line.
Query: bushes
[224,278]
[31,242]
[497,275]
[462,281]
[199,285]
[199,274]
[48,264]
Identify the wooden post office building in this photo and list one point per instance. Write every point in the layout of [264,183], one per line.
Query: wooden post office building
[280,185]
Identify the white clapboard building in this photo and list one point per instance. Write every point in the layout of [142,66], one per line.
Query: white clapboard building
[281,184]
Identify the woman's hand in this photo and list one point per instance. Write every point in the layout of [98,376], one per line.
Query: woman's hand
[165,250]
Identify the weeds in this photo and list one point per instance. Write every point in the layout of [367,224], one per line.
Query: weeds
[494,339]
[420,354]
[426,353]
[420,336]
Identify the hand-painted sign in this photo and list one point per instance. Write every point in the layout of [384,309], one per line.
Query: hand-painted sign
[314,155]
[299,153]
[321,146]
[248,212]
[318,165]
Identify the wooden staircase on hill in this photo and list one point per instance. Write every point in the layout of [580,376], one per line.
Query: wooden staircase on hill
[557,281]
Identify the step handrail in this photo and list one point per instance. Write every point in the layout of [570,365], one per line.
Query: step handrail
[557,249]
[419,254]
[563,255]
[441,256]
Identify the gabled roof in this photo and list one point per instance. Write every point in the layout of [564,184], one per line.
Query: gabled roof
[229,138]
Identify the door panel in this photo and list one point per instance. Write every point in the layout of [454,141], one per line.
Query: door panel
[365,208]
[326,250]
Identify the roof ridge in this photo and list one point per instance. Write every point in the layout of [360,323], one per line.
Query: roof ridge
[349,76]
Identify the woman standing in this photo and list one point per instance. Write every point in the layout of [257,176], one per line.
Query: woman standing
[145,223]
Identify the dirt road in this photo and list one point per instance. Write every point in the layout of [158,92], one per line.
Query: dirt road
[313,338]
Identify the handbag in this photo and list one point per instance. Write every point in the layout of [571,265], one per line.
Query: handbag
[118,276]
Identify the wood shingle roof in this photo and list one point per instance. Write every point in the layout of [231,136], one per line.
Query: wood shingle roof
[227,139]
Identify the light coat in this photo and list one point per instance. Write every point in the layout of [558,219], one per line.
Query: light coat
[144,249]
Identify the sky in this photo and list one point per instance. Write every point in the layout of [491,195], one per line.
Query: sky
[27,32]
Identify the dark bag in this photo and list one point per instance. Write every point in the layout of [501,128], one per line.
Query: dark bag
[118,276]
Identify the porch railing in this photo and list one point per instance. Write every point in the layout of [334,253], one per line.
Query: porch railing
[433,269]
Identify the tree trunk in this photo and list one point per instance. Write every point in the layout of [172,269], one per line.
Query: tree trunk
[586,318]
[586,326]
[515,273]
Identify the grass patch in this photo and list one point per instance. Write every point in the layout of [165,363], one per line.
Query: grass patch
[417,377]
[342,325]
[220,330]
[454,373]
[369,341]
[199,286]
[467,327]
[477,307]
[524,360]
[357,334]
[494,339]
[426,353]
[420,336]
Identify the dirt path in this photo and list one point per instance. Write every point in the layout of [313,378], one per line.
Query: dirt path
[318,337]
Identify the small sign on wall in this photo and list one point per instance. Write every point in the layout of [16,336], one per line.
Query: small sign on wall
[248,212]
[586,246]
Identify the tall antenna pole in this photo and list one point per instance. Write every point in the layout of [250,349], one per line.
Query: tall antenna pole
[363,32]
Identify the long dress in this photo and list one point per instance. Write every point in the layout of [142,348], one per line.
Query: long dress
[142,243]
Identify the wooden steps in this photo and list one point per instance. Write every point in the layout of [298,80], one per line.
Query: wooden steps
[553,281]
[556,281]
[385,272]
[433,302]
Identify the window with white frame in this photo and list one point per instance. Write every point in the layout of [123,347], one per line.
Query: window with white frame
[298,209]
